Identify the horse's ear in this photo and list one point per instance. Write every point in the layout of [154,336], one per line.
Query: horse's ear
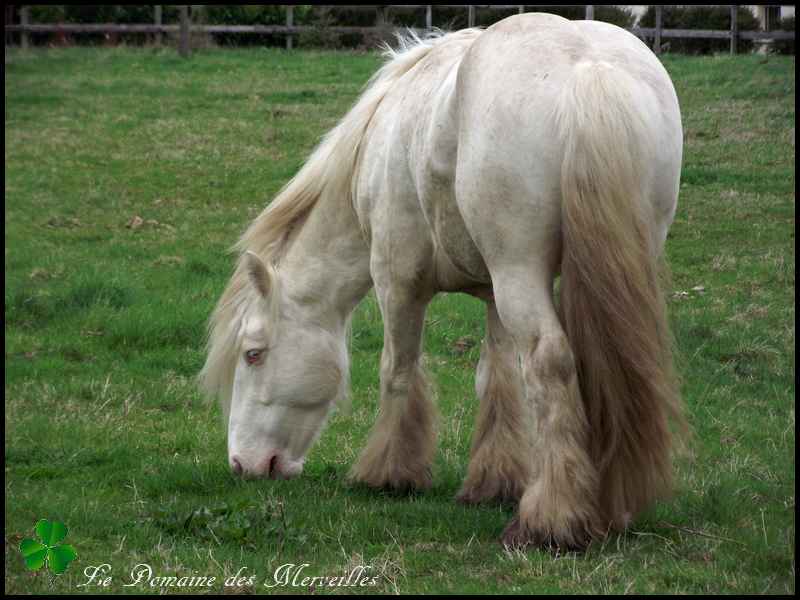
[258,273]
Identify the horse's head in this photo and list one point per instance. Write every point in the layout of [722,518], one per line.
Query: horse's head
[289,371]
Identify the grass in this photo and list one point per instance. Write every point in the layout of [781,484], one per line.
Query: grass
[105,313]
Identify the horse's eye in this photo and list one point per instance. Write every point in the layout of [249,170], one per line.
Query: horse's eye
[252,356]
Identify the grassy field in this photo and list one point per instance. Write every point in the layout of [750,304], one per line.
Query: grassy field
[129,172]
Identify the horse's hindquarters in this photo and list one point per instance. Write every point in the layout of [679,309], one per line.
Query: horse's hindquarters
[560,138]
[510,153]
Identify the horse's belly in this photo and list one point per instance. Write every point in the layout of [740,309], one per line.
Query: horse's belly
[459,265]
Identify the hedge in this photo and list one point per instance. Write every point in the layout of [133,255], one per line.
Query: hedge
[447,18]
[701,17]
[785,46]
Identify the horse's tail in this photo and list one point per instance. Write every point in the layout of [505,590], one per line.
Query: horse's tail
[612,305]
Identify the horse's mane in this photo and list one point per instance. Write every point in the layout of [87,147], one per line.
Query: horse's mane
[328,171]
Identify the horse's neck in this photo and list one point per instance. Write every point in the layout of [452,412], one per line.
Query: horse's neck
[326,267]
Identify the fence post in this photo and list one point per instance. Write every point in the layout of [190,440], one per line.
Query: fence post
[471,16]
[734,28]
[183,42]
[428,17]
[381,16]
[24,17]
[289,23]
[657,41]
[589,12]
[9,21]
[157,22]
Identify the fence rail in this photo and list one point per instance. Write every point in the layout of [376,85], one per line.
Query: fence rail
[382,25]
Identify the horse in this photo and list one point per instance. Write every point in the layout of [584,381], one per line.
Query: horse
[534,164]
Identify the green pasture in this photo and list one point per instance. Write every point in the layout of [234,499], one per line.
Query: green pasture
[128,175]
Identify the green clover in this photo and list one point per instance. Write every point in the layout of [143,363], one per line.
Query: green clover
[50,550]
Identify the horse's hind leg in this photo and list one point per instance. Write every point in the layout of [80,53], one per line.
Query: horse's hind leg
[499,466]
[558,507]
[522,248]
[400,449]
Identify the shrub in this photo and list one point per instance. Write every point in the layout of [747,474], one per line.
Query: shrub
[90,14]
[785,46]
[616,15]
[250,14]
[47,13]
[100,13]
[701,17]
[448,18]
[322,18]
[452,18]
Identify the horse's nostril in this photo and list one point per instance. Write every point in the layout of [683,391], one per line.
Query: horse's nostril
[273,466]
[236,466]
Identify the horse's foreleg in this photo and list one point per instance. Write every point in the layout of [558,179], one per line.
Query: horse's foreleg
[499,466]
[400,449]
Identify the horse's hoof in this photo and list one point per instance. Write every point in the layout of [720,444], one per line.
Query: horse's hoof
[518,537]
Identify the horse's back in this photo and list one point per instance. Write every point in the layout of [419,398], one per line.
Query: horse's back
[464,146]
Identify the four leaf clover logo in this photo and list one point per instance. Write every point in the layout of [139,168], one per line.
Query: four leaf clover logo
[49,549]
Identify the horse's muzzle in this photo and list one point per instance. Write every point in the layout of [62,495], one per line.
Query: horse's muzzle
[273,466]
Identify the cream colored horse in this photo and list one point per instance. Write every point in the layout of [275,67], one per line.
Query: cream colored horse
[484,162]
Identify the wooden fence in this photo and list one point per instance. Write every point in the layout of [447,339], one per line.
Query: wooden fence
[382,26]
